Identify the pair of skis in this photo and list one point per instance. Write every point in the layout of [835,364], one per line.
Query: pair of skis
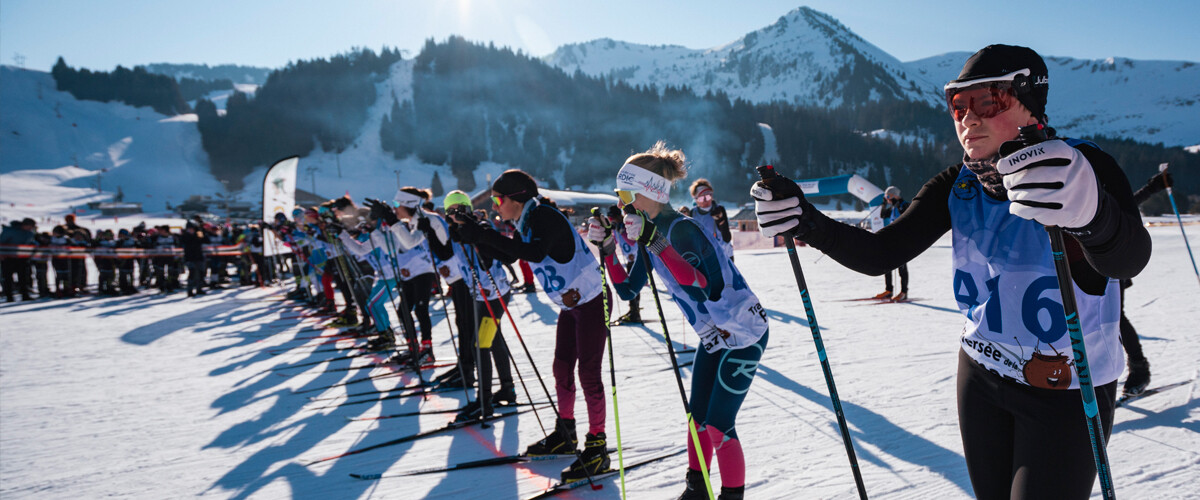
[548,492]
[1124,400]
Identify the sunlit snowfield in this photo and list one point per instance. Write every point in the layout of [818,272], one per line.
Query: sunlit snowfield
[168,397]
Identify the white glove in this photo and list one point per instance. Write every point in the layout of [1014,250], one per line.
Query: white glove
[1051,183]
[633,226]
[775,216]
[601,236]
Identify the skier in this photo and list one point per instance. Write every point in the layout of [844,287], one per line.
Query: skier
[628,249]
[416,268]
[571,279]
[478,270]
[1139,366]
[712,294]
[1018,400]
[710,215]
[893,206]
[372,244]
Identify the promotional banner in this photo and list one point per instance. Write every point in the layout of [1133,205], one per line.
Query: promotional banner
[279,188]
[842,184]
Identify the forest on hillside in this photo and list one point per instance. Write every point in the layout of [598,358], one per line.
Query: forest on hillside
[475,102]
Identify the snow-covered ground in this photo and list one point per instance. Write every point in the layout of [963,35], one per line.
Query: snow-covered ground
[157,396]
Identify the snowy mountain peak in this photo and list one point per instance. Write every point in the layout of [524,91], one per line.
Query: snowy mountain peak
[805,58]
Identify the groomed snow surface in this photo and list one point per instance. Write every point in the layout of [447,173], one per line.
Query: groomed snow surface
[155,396]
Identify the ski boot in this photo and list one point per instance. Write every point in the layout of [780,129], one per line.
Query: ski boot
[634,316]
[593,460]
[347,318]
[1139,377]
[900,297]
[561,441]
[506,396]
[695,488]
[380,343]
[425,355]
[728,493]
[471,412]
[527,288]
[887,294]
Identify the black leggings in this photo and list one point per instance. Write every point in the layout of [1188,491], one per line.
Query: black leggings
[1129,336]
[1023,442]
[417,292]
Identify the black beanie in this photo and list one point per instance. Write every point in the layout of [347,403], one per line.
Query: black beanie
[1000,60]
[516,184]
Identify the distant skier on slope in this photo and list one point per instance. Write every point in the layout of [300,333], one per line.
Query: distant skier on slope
[571,278]
[1139,366]
[712,294]
[1018,400]
[893,206]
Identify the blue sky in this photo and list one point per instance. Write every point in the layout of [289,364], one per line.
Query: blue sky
[102,34]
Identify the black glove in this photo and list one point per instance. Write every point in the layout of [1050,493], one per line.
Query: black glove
[1160,181]
[424,226]
[471,233]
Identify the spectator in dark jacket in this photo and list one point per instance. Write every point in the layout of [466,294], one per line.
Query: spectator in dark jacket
[17,233]
[192,239]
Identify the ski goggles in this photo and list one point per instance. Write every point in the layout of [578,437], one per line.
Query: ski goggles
[704,198]
[497,199]
[626,196]
[984,97]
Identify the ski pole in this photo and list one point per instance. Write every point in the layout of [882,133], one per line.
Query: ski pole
[687,408]
[767,172]
[437,277]
[612,367]
[553,406]
[404,315]
[492,313]
[1028,136]
[1171,196]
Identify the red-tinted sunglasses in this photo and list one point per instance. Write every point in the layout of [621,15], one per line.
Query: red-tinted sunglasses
[985,97]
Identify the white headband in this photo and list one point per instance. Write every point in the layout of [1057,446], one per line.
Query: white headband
[644,182]
[407,199]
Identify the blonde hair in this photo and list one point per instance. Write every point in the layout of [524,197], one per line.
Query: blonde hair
[696,185]
[669,163]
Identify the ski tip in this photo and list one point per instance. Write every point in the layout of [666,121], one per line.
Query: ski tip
[368,477]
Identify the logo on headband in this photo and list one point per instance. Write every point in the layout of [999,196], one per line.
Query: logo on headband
[654,187]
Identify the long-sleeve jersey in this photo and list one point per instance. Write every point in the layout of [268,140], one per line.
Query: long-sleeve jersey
[1004,279]
[569,272]
[721,301]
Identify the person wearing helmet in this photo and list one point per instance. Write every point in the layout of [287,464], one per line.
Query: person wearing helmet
[1018,395]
